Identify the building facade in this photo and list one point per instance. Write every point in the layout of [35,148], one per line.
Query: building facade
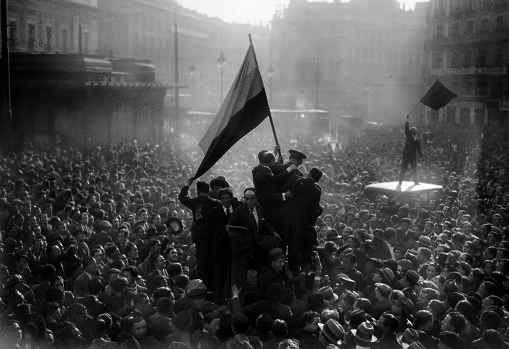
[468,50]
[53,26]
[362,58]
[145,29]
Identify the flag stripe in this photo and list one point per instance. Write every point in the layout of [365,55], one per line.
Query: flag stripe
[247,85]
[244,108]
[240,124]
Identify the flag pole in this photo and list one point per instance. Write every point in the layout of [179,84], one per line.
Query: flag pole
[270,114]
[415,107]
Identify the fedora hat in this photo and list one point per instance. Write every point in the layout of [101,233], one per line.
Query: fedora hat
[364,333]
[407,337]
[406,305]
[387,275]
[316,302]
[332,330]
[297,154]
[219,181]
[328,294]
[276,253]
[424,241]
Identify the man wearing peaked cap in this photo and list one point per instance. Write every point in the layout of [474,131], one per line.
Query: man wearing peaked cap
[272,273]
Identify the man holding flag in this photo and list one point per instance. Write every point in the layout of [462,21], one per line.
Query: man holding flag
[243,109]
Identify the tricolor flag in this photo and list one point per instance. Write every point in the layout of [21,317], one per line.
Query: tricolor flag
[437,96]
[244,108]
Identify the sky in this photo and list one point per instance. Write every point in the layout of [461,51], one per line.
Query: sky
[247,11]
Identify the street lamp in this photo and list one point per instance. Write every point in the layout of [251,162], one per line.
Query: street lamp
[220,63]
[270,73]
[192,70]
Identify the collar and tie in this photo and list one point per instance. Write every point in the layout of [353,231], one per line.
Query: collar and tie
[255,215]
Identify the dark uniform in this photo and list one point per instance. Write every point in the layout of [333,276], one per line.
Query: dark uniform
[298,218]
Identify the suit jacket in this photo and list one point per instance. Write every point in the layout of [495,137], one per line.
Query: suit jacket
[243,243]
[268,190]
[379,249]
[304,206]
[200,206]
[221,242]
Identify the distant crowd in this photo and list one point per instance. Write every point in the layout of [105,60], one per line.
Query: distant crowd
[117,248]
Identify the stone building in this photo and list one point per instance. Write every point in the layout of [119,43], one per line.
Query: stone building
[468,50]
[362,58]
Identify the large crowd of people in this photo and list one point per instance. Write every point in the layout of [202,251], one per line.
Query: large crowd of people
[117,248]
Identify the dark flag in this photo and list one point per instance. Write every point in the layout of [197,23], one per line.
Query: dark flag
[437,96]
[244,108]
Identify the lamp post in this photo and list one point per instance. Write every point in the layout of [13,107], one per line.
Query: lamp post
[270,73]
[192,70]
[220,63]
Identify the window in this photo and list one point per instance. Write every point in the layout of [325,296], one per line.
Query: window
[64,39]
[455,30]
[31,37]
[13,34]
[467,87]
[467,60]
[464,116]
[469,27]
[485,22]
[482,58]
[49,38]
[454,63]
[85,42]
[496,89]
[481,88]
[437,59]
[479,117]
[499,23]
[439,31]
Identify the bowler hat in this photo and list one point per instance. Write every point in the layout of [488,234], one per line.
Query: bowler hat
[297,154]
[364,333]
[332,330]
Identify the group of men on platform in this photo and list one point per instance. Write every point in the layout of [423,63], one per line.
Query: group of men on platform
[277,214]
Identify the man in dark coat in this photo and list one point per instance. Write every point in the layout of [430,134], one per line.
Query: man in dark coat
[410,152]
[298,217]
[268,185]
[201,228]
[251,235]
[222,244]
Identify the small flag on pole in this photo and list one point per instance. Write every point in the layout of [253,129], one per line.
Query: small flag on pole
[243,109]
[437,96]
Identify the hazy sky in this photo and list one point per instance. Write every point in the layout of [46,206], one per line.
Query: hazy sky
[246,11]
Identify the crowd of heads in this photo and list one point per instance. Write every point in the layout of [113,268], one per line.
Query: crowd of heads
[96,249]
